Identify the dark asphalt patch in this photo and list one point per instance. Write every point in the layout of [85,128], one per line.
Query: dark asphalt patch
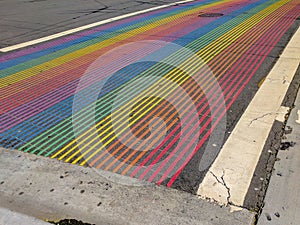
[210,14]
[286,145]
[70,222]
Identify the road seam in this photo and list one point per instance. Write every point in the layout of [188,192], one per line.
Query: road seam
[240,154]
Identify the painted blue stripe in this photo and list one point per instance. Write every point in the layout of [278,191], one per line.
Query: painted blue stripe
[217,23]
[65,106]
[95,35]
[45,120]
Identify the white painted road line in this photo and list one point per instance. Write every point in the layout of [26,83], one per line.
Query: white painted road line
[85,27]
[229,177]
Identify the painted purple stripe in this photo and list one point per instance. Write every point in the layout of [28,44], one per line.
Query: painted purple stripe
[171,37]
[180,32]
[55,97]
[79,35]
[65,91]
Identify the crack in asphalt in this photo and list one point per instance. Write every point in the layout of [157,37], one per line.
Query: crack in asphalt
[151,2]
[68,23]
[89,12]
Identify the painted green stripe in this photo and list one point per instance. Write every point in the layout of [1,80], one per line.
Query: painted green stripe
[111,35]
[216,33]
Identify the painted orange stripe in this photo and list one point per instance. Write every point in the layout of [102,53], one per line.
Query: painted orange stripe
[82,63]
[220,69]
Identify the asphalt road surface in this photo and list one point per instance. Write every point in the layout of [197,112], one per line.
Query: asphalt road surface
[27,20]
[153,96]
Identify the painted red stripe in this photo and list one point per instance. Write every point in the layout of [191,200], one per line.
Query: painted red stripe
[122,162]
[172,180]
[228,79]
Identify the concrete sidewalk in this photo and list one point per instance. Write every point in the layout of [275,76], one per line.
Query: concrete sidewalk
[282,202]
[8,217]
[48,189]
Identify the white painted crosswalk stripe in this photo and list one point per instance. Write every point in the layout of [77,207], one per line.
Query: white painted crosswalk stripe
[229,177]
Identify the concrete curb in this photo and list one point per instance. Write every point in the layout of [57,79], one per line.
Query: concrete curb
[48,189]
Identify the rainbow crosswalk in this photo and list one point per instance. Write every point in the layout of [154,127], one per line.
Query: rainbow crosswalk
[42,89]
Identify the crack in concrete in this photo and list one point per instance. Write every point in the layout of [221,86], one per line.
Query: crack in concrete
[260,117]
[222,181]
[225,185]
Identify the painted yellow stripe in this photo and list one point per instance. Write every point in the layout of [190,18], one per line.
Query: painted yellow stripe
[109,141]
[231,36]
[238,148]
[166,88]
[85,27]
[101,121]
[74,55]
